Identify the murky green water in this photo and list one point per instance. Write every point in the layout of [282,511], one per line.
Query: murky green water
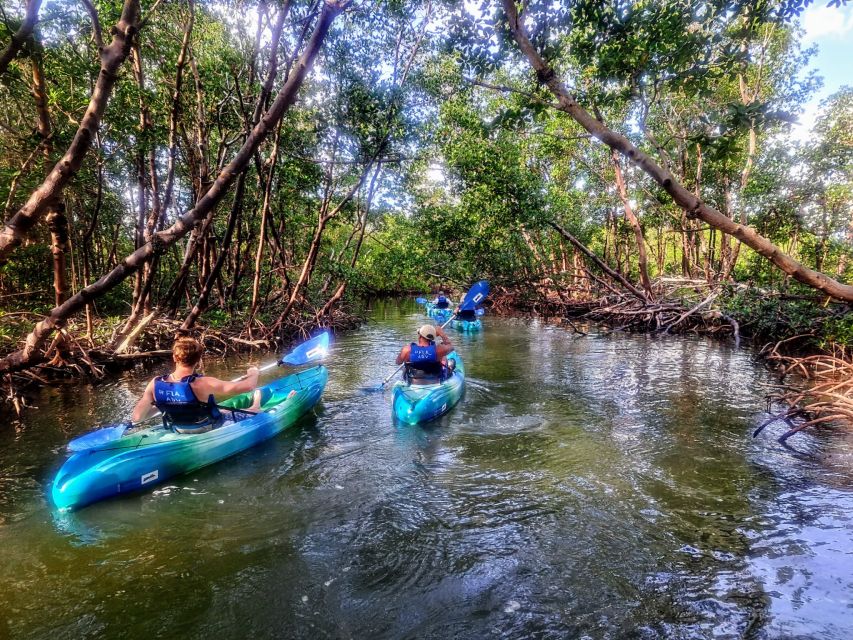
[603,486]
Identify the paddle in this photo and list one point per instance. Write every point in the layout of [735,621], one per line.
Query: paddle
[421,300]
[476,293]
[313,349]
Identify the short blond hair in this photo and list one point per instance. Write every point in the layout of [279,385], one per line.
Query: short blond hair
[187,351]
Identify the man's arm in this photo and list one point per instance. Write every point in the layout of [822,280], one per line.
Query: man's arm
[145,407]
[446,345]
[404,354]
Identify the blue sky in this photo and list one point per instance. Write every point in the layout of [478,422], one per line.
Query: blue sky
[831,29]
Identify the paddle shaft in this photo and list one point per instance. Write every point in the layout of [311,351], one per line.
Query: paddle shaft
[266,367]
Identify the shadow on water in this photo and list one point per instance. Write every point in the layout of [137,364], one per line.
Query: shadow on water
[600,486]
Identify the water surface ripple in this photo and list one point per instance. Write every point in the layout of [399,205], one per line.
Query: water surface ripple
[604,486]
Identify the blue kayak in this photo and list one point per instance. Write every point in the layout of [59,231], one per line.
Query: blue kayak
[416,403]
[434,312]
[467,325]
[144,458]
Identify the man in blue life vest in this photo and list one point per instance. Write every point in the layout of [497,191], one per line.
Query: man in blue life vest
[426,361]
[188,399]
[442,301]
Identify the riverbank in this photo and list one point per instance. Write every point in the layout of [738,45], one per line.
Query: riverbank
[797,335]
[93,352]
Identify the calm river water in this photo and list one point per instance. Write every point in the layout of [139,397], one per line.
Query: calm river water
[604,486]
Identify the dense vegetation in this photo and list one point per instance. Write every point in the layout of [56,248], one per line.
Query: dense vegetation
[175,159]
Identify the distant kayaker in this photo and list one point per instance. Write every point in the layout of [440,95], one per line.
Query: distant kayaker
[426,361]
[188,399]
[442,301]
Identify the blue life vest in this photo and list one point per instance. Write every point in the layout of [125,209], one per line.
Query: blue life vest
[423,362]
[441,302]
[181,408]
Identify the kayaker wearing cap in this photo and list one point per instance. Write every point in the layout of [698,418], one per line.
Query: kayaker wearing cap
[187,398]
[442,301]
[425,360]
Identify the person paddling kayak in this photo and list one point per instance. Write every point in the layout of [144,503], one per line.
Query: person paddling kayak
[188,399]
[442,301]
[425,360]
[469,315]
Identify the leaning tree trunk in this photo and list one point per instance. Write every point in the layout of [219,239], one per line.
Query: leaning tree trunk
[314,249]
[580,246]
[233,217]
[21,35]
[57,318]
[694,206]
[50,190]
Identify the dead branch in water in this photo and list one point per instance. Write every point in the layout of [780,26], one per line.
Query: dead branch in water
[827,399]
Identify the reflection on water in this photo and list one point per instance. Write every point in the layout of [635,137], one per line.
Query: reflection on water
[605,485]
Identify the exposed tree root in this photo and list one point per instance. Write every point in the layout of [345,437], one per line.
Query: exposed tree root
[828,395]
[825,391]
[151,340]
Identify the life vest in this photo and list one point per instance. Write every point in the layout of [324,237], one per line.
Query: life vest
[423,363]
[442,302]
[181,409]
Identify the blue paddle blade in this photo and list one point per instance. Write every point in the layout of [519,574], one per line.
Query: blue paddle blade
[421,300]
[314,349]
[97,438]
[476,294]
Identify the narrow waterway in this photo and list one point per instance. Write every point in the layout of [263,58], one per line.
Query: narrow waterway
[604,486]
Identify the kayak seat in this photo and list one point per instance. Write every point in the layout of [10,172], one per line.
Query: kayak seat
[433,376]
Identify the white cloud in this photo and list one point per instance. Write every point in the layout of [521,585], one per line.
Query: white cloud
[822,21]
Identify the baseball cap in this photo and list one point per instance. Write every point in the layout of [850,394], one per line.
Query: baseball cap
[427,332]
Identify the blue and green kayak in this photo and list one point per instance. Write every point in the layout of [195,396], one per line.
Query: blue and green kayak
[467,325]
[144,458]
[434,312]
[415,403]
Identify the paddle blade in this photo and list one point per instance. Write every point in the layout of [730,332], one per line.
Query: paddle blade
[97,438]
[421,300]
[476,294]
[314,349]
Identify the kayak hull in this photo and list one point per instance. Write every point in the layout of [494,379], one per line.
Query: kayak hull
[439,314]
[467,325]
[414,404]
[146,458]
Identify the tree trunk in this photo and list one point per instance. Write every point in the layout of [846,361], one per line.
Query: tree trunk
[694,207]
[339,292]
[236,208]
[577,244]
[21,35]
[50,190]
[635,225]
[57,318]
[262,234]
